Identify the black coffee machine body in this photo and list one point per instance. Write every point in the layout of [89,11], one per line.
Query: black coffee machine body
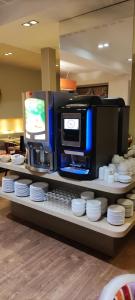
[39,130]
[88,136]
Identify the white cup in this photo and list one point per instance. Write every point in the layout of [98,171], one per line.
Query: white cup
[101,173]
[110,178]
[106,172]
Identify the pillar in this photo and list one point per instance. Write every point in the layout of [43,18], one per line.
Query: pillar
[48,69]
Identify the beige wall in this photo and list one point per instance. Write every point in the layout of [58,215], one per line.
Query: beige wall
[13,81]
[118,85]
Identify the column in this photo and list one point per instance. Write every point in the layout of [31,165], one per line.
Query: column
[48,69]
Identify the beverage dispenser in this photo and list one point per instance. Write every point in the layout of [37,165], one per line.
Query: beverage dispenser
[88,136]
[40,132]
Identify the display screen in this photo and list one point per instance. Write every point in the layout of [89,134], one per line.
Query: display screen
[72,124]
[35,115]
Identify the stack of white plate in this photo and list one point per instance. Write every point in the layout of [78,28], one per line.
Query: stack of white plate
[8,183]
[132,198]
[38,191]
[104,204]
[128,204]
[116,214]
[93,210]
[22,187]
[78,207]
[88,195]
[124,178]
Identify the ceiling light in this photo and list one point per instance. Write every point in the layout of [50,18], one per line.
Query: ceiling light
[106,45]
[100,46]
[57,65]
[26,24]
[8,53]
[30,23]
[33,22]
[129,59]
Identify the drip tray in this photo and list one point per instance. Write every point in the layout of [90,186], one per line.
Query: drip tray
[75,170]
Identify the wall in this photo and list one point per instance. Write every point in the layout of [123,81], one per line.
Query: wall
[119,86]
[13,81]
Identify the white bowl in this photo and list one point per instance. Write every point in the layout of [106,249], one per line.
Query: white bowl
[93,217]
[5,158]
[17,159]
[78,211]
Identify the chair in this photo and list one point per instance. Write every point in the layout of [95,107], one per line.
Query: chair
[110,290]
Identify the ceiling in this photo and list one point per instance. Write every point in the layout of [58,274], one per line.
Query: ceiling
[12,10]
[79,36]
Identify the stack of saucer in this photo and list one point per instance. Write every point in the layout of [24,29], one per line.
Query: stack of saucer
[78,207]
[104,204]
[124,178]
[38,191]
[22,188]
[8,183]
[128,204]
[93,210]
[132,198]
[88,195]
[116,214]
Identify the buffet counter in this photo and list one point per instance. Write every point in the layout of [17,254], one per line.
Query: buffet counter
[93,234]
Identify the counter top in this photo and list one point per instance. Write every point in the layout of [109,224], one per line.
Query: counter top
[99,185]
[66,214]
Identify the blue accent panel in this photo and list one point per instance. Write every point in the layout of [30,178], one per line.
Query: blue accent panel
[51,133]
[89,129]
[75,171]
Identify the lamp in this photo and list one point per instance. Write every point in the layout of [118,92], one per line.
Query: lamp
[67,84]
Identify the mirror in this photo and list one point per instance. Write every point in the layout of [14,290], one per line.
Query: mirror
[96,50]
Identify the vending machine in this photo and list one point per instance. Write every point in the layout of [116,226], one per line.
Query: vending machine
[40,126]
[90,131]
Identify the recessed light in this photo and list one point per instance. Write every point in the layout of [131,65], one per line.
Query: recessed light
[33,22]
[129,59]
[8,53]
[30,23]
[106,45]
[57,65]
[26,24]
[100,46]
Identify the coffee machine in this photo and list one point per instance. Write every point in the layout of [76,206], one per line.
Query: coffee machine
[123,122]
[39,130]
[87,136]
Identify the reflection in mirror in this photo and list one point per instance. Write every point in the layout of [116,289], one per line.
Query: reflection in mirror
[96,50]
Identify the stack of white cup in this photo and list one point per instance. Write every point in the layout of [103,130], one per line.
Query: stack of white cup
[108,174]
[78,207]
[93,210]
[104,204]
[88,195]
[132,198]
[128,205]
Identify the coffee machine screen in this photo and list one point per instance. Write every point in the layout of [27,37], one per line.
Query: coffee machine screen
[71,124]
[35,118]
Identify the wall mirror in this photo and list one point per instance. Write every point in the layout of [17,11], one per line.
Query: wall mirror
[96,50]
